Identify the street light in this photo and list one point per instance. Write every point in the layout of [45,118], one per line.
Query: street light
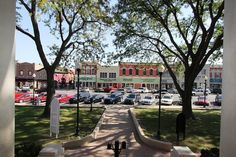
[34,75]
[78,84]
[161,69]
[206,78]
[116,147]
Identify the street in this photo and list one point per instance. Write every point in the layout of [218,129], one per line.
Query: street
[210,98]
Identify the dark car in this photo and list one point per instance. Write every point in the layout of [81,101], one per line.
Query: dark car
[217,91]
[218,100]
[132,98]
[82,97]
[113,98]
[94,99]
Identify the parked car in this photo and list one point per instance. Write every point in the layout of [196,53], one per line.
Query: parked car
[202,101]
[25,88]
[147,100]
[99,90]
[156,95]
[17,89]
[94,99]
[26,98]
[167,99]
[40,90]
[217,91]
[113,98]
[154,91]
[82,97]
[129,90]
[84,89]
[122,90]
[42,97]
[132,98]
[218,100]
[172,91]
[200,91]
[143,90]
[109,89]
[63,98]
[18,94]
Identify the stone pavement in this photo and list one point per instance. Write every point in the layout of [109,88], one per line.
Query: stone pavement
[117,125]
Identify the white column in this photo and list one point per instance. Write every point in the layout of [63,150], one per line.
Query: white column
[7,77]
[228,114]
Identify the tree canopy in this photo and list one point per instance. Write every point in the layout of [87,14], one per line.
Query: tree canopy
[186,32]
[76,26]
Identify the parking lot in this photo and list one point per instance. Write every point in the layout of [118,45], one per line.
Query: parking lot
[176,98]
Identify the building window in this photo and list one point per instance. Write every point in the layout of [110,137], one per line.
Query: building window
[30,73]
[87,70]
[151,72]
[103,75]
[124,71]
[137,71]
[21,72]
[94,70]
[204,72]
[112,75]
[144,72]
[130,72]
[83,70]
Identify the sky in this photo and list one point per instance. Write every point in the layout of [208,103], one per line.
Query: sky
[25,47]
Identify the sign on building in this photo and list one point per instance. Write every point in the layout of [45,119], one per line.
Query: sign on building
[54,117]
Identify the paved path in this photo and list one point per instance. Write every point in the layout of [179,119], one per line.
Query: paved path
[116,125]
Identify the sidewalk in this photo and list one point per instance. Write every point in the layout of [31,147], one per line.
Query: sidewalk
[116,126]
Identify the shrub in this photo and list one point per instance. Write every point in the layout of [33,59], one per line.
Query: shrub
[27,149]
[214,152]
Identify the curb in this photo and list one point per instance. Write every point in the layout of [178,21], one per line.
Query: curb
[79,142]
[166,146]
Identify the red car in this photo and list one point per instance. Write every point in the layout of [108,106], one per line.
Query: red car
[18,94]
[63,98]
[109,89]
[202,101]
[25,98]
[41,97]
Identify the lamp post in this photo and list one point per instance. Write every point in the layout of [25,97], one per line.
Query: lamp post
[34,75]
[116,147]
[206,78]
[77,115]
[161,69]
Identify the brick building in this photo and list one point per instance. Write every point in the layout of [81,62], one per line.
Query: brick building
[24,74]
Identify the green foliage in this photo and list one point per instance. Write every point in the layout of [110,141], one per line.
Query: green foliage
[181,33]
[29,149]
[30,126]
[203,133]
[77,27]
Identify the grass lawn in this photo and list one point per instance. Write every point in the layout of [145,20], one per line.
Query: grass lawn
[203,133]
[30,127]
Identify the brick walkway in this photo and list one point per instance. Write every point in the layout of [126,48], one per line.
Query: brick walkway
[116,125]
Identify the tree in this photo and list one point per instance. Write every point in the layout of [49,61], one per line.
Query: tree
[73,23]
[186,32]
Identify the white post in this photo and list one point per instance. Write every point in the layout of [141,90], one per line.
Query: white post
[228,114]
[7,77]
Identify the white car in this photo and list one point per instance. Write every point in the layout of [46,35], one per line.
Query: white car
[142,90]
[201,92]
[167,99]
[147,100]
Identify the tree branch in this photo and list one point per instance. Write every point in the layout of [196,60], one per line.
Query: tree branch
[24,32]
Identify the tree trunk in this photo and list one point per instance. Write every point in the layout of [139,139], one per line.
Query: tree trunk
[187,97]
[50,92]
